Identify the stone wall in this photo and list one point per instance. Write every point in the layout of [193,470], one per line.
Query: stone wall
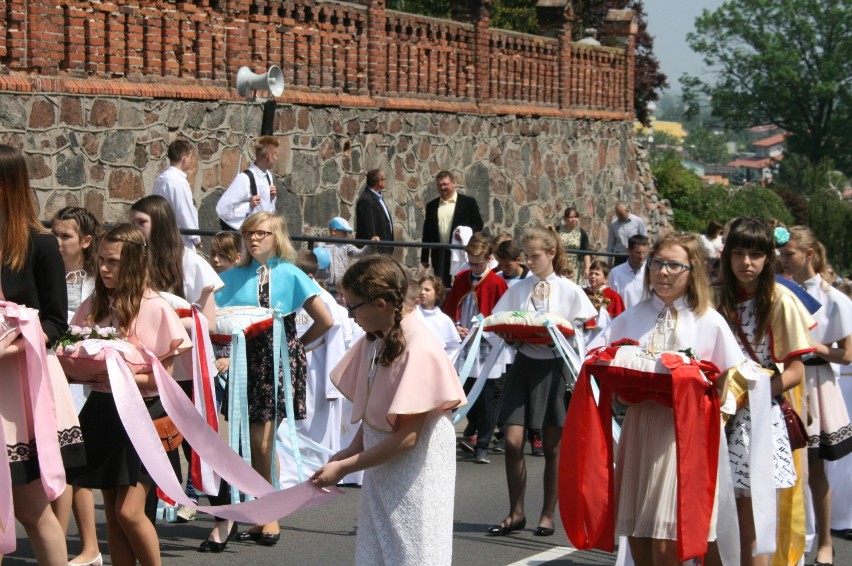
[105,152]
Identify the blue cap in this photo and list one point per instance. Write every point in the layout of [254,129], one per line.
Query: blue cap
[338,223]
[323,257]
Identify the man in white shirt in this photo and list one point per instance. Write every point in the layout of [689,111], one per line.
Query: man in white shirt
[172,184]
[628,279]
[622,228]
[252,190]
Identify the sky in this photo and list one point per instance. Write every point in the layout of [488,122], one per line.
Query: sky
[669,21]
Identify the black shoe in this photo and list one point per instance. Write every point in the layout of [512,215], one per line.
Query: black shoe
[246,536]
[216,547]
[502,530]
[543,532]
[268,539]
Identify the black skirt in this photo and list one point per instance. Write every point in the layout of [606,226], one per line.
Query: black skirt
[111,459]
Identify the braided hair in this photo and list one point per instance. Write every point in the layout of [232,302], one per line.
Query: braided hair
[380,277]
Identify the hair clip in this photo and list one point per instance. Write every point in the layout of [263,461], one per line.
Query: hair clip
[782,236]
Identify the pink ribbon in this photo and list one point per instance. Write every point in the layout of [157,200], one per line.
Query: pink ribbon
[269,505]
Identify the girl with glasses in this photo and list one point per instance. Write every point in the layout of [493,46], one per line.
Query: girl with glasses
[267,277]
[676,316]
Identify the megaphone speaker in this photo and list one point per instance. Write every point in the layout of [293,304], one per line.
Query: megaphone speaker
[249,83]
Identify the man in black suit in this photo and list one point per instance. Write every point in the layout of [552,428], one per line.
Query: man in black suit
[372,216]
[443,216]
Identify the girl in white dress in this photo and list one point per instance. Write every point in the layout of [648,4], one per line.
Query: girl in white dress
[676,316]
[77,231]
[772,328]
[404,387]
[830,433]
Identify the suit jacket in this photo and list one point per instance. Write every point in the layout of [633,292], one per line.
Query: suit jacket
[40,284]
[465,214]
[370,220]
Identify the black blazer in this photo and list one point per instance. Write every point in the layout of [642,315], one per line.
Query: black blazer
[465,214]
[370,220]
[40,284]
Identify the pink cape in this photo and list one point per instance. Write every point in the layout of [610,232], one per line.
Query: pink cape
[422,379]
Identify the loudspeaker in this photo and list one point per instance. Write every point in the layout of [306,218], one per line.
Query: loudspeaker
[249,84]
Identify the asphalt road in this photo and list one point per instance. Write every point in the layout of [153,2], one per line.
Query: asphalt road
[326,535]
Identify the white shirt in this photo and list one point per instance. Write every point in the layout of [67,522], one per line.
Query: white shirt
[442,327]
[834,318]
[628,283]
[234,205]
[173,186]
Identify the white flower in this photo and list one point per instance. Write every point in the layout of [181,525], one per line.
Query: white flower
[70,349]
[76,331]
[103,332]
[86,331]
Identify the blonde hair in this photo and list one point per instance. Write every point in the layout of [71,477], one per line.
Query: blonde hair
[283,246]
[551,242]
[478,245]
[264,145]
[804,239]
[698,292]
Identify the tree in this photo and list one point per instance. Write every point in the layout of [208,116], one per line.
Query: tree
[783,62]
[707,146]
[833,227]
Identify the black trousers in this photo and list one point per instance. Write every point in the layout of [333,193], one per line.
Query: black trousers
[483,414]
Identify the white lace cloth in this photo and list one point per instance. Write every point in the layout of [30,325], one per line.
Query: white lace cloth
[406,514]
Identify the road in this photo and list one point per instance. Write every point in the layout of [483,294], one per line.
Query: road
[326,535]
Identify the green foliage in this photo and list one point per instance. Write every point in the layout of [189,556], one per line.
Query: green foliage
[783,62]
[434,8]
[707,146]
[694,206]
[515,15]
[832,225]
[799,175]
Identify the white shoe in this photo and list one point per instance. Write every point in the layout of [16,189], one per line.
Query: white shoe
[98,561]
[186,514]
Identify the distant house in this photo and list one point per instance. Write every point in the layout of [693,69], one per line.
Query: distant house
[761,164]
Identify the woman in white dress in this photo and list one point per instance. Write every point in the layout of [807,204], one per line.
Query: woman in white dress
[772,327]
[404,387]
[677,316]
[829,432]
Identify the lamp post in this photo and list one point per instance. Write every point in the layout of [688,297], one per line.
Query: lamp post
[651,108]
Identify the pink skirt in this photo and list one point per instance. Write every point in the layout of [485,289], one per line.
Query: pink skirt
[829,432]
[17,420]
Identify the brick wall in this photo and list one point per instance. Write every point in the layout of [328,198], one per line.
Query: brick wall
[331,52]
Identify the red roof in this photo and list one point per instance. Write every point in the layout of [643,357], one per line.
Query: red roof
[770,141]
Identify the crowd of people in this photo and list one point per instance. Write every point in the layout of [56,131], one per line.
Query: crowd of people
[370,358]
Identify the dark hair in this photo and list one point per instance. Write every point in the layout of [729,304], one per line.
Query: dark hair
[307,262]
[600,266]
[373,176]
[380,277]
[478,245]
[179,149]
[638,240]
[444,173]
[438,285]
[748,233]
[714,228]
[508,250]
[87,225]
[126,298]
[18,203]
[569,210]
[166,263]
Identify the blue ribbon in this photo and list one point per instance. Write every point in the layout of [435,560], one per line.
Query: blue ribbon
[281,355]
[239,437]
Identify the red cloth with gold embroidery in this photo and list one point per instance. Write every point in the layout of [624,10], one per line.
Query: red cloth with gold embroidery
[586,475]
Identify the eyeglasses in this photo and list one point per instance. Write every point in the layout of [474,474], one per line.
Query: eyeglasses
[673,267]
[256,234]
[353,308]
[476,263]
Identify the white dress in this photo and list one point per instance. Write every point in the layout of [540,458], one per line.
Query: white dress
[840,472]
[739,438]
[646,462]
[414,493]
